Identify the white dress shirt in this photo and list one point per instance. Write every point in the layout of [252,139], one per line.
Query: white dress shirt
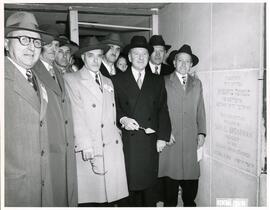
[153,67]
[136,74]
[110,69]
[180,77]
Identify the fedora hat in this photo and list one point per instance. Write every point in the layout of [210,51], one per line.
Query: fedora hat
[171,57]
[22,21]
[91,43]
[187,49]
[113,38]
[64,41]
[158,40]
[139,41]
[52,31]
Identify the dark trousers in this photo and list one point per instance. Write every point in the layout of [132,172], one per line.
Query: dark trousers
[112,204]
[141,198]
[171,190]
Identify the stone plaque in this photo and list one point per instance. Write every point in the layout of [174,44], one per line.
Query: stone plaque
[235,118]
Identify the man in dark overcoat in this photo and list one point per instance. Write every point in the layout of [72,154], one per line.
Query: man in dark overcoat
[156,65]
[141,103]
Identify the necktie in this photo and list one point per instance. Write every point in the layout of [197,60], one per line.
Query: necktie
[97,79]
[52,73]
[156,69]
[30,79]
[139,80]
[184,80]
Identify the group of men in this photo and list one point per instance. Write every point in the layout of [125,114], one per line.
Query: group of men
[98,136]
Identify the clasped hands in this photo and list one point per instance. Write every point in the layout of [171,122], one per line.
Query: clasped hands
[131,124]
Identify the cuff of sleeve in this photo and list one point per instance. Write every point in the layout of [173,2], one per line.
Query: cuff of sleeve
[121,120]
[202,134]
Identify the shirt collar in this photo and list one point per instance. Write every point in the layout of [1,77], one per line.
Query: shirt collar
[47,66]
[136,73]
[180,76]
[153,67]
[108,67]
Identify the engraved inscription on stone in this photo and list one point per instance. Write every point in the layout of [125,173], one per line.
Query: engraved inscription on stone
[234,119]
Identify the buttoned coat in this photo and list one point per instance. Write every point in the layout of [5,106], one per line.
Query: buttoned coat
[94,117]
[61,138]
[187,114]
[148,107]
[27,166]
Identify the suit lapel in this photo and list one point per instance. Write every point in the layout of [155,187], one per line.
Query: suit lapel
[43,98]
[60,79]
[46,78]
[90,84]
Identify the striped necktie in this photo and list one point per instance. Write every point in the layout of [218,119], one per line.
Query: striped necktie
[156,69]
[30,79]
[97,79]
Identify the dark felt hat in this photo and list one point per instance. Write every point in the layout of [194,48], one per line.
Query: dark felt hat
[113,38]
[91,43]
[24,21]
[64,41]
[139,41]
[52,31]
[187,49]
[158,40]
[171,57]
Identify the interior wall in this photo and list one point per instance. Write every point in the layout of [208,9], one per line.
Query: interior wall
[228,39]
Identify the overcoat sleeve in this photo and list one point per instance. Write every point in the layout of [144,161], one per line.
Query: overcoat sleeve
[164,122]
[201,119]
[82,134]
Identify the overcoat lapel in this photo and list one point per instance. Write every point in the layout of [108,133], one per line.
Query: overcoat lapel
[46,78]
[43,98]
[24,89]
[91,84]
[190,83]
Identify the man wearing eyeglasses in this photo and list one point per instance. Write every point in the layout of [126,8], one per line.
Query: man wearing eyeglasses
[60,126]
[27,167]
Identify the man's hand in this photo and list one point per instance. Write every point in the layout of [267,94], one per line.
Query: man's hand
[201,140]
[160,145]
[129,123]
[171,142]
[88,154]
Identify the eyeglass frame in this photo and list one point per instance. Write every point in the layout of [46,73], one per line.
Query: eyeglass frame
[29,40]
[93,167]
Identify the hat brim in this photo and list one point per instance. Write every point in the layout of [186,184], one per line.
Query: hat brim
[82,50]
[73,48]
[113,42]
[131,46]
[16,28]
[195,59]
[167,47]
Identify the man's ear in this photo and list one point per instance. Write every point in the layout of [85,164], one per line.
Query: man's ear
[174,63]
[6,44]
[129,57]
[82,57]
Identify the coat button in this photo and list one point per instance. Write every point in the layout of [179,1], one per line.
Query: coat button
[93,105]
[42,152]
[116,141]
[149,119]
[41,123]
[63,100]
[42,182]
[113,104]
[114,122]
[66,122]
[127,103]
[67,144]
[103,145]
[102,125]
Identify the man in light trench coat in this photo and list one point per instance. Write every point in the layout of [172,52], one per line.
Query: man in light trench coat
[178,163]
[98,145]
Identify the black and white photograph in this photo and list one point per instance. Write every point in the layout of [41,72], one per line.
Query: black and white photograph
[134,104]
